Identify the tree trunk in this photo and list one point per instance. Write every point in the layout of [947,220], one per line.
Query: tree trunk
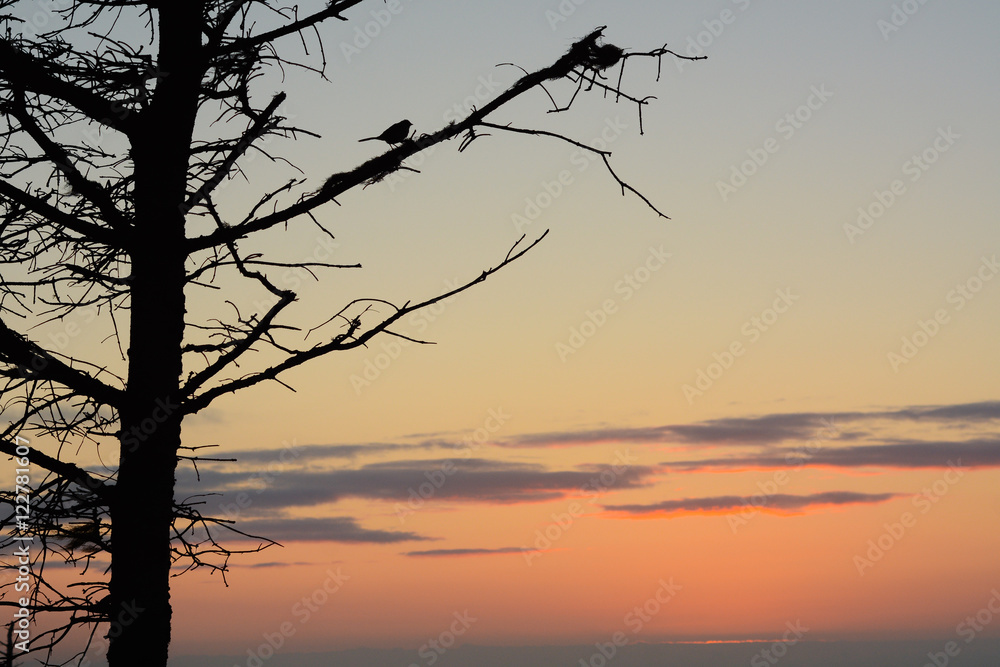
[142,508]
[151,433]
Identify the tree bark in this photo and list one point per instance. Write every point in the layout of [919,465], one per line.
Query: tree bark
[151,434]
[151,415]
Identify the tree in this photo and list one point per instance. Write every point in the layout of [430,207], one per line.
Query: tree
[108,193]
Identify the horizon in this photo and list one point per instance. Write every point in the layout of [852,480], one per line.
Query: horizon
[881,653]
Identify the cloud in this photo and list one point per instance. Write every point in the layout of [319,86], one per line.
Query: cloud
[468,480]
[743,430]
[291,454]
[763,429]
[269,564]
[974,453]
[327,529]
[440,553]
[779,502]
[964,412]
[266,484]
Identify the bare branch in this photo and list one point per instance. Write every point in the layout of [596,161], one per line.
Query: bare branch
[17,350]
[28,73]
[346,340]
[586,54]
[333,10]
[65,470]
[59,217]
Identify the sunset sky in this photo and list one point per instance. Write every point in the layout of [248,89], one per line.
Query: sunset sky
[778,407]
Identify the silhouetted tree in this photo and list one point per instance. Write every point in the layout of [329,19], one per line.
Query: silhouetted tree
[108,200]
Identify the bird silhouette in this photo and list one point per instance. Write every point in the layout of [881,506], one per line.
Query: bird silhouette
[394,134]
[604,56]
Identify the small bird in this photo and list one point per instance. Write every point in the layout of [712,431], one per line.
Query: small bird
[394,134]
[604,56]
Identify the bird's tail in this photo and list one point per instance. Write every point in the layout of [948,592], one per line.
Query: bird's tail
[368,139]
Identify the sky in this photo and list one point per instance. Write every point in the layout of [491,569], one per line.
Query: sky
[771,419]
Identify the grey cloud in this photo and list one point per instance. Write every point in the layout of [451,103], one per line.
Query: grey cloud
[332,529]
[974,453]
[465,480]
[778,501]
[438,553]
